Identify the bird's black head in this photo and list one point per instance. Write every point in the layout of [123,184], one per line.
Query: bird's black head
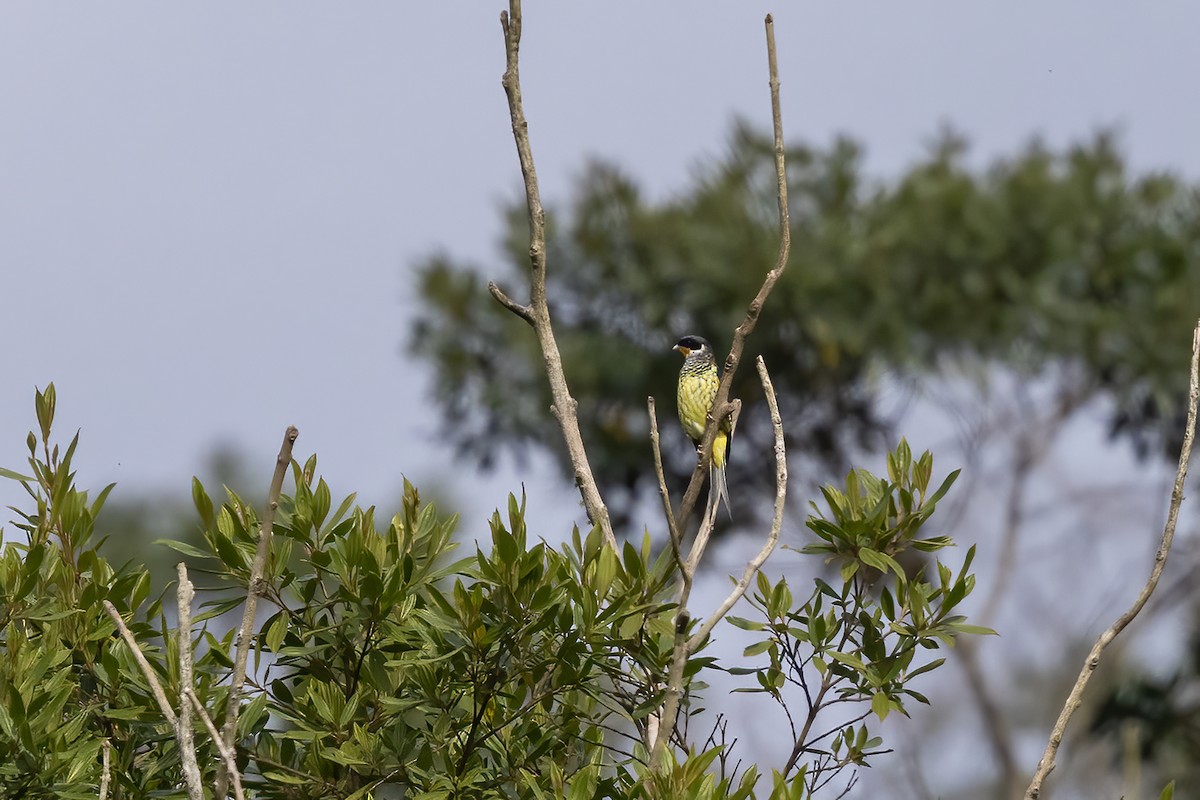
[692,344]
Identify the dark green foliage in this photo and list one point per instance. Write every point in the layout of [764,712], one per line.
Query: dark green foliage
[852,651]
[65,681]
[1049,260]
[388,669]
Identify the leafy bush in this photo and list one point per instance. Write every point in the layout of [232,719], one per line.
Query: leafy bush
[386,667]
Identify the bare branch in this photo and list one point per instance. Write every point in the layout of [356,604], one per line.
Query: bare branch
[187,742]
[524,312]
[155,687]
[721,406]
[105,773]
[228,756]
[680,651]
[781,480]
[192,779]
[537,313]
[672,529]
[1046,765]
[253,590]
[701,542]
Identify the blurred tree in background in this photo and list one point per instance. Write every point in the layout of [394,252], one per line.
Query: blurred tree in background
[145,518]
[1013,298]
[1051,262]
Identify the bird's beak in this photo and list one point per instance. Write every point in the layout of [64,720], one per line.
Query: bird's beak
[683,350]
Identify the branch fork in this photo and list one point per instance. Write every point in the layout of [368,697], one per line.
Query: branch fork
[537,313]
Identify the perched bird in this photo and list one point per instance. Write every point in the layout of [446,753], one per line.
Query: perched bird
[698,380]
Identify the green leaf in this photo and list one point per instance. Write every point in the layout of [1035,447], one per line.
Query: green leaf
[880,561]
[780,601]
[932,665]
[583,784]
[204,504]
[849,568]
[287,778]
[945,487]
[31,570]
[826,589]
[917,696]
[849,660]
[764,585]
[1168,792]
[745,624]
[757,648]
[276,631]
[881,705]
[184,548]
[321,501]
[16,476]
[606,571]
[44,403]
[887,604]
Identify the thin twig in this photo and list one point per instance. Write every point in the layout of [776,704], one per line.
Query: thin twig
[672,529]
[524,312]
[721,406]
[156,688]
[674,692]
[183,641]
[537,313]
[1160,561]
[105,772]
[227,755]
[781,481]
[700,544]
[253,589]
[192,781]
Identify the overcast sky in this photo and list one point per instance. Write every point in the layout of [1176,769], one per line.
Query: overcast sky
[209,211]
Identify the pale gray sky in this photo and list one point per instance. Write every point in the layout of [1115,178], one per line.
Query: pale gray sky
[208,212]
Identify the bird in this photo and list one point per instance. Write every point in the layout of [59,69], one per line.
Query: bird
[698,381]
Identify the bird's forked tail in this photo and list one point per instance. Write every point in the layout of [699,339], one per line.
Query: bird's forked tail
[718,488]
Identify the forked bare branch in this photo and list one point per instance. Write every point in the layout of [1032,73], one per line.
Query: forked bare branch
[721,406]
[1046,765]
[537,313]
[194,790]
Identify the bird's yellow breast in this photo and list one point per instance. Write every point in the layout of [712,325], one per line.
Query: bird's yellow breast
[697,390]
